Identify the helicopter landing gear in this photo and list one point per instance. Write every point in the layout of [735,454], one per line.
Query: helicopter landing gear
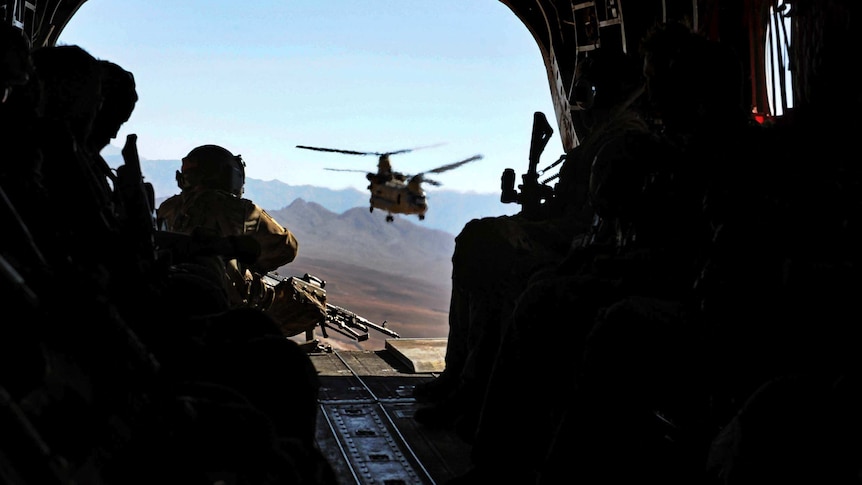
[389,218]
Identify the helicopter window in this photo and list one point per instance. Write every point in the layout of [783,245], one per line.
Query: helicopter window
[20,14]
[586,18]
[779,84]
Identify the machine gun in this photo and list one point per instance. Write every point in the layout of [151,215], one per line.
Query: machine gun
[533,193]
[298,305]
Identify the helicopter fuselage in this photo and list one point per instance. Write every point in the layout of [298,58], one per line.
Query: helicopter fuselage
[396,194]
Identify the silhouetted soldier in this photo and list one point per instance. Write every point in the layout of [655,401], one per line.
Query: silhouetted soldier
[94,371]
[210,207]
[93,398]
[23,193]
[643,401]
[494,258]
[119,97]
[231,242]
[607,166]
[71,87]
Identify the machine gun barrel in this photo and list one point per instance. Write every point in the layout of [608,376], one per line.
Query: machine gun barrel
[342,327]
[346,319]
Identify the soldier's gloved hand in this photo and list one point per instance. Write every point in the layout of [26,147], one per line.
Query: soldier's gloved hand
[260,295]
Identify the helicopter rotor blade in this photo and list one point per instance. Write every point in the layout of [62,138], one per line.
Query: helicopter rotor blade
[420,178]
[345,170]
[450,166]
[351,152]
[355,152]
[407,150]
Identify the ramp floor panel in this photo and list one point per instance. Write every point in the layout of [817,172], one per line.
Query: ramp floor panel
[366,427]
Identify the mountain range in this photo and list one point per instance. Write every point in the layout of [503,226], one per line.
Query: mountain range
[448,210]
[396,272]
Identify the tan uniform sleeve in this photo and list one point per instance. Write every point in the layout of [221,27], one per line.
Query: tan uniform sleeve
[278,246]
[167,212]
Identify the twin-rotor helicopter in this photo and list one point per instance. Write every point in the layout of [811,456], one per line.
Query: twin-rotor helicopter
[395,192]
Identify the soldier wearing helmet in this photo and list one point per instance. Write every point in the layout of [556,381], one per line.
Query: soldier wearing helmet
[212,167]
[211,205]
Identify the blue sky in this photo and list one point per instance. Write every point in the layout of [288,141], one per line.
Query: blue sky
[263,76]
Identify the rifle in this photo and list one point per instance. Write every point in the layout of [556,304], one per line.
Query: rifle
[137,199]
[532,192]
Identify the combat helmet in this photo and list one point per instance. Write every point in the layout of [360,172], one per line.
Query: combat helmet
[212,167]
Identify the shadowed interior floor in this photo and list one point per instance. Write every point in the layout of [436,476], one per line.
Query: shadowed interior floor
[366,427]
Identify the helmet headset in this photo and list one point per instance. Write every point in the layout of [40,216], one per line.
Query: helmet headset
[212,167]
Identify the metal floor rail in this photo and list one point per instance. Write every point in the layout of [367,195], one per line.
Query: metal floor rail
[366,428]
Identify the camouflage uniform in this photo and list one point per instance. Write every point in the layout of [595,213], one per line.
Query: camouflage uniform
[218,213]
